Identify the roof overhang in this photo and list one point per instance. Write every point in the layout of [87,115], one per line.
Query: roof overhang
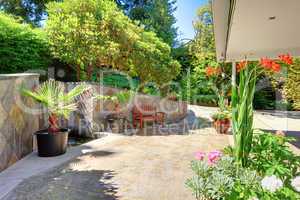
[256,28]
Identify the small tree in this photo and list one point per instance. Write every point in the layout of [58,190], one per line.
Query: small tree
[58,103]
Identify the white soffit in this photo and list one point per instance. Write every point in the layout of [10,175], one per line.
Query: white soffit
[261,28]
[220,16]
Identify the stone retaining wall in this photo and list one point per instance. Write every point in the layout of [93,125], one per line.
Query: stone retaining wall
[17,125]
[97,110]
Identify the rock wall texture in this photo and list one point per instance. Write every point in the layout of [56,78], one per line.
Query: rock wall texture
[17,122]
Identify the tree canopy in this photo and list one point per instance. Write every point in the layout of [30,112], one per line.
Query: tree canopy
[96,33]
[30,11]
[156,16]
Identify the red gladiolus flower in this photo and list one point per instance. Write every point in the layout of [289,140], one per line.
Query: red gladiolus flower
[241,65]
[270,64]
[276,67]
[287,59]
[266,63]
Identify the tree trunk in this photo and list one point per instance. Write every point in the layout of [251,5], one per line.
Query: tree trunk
[78,72]
[89,72]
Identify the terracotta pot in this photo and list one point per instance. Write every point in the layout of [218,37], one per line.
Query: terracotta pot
[222,126]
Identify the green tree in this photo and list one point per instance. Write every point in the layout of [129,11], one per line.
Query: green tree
[31,11]
[202,52]
[21,47]
[156,16]
[95,33]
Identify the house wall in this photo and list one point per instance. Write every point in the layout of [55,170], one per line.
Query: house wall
[17,124]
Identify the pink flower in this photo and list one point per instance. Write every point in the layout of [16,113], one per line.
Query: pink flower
[214,156]
[199,155]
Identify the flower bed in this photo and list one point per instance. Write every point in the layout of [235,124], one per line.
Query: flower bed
[272,172]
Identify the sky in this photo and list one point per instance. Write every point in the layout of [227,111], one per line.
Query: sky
[185,14]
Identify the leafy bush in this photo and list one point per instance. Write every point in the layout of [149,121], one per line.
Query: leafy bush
[272,172]
[291,85]
[264,99]
[270,155]
[21,47]
[217,180]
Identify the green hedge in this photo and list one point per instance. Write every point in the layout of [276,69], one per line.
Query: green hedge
[22,48]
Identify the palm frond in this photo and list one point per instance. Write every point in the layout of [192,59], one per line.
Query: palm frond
[52,95]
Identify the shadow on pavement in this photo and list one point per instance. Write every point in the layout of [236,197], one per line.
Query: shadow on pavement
[64,183]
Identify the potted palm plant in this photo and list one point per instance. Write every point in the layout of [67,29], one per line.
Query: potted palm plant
[53,140]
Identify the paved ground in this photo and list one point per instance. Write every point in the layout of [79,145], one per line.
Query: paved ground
[124,167]
[289,122]
[132,168]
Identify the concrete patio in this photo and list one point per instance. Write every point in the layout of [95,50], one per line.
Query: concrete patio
[124,167]
[136,167]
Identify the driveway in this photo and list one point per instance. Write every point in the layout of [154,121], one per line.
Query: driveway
[130,168]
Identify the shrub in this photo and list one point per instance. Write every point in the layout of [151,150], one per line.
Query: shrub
[21,47]
[217,180]
[272,172]
[291,85]
[270,155]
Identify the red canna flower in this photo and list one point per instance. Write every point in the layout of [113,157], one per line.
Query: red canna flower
[241,65]
[287,59]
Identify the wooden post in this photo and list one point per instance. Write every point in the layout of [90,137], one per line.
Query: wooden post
[233,74]
[234,96]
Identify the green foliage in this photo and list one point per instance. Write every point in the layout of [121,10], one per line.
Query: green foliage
[124,96]
[292,84]
[221,115]
[117,80]
[264,99]
[156,16]
[225,179]
[95,33]
[242,116]
[203,47]
[51,94]
[31,11]
[270,155]
[196,56]
[21,47]
[221,180]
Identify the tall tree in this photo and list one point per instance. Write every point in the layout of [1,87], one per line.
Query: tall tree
[153,15]
[202,49]
[31,11]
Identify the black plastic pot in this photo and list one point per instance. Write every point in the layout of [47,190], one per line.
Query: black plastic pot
[52,144]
